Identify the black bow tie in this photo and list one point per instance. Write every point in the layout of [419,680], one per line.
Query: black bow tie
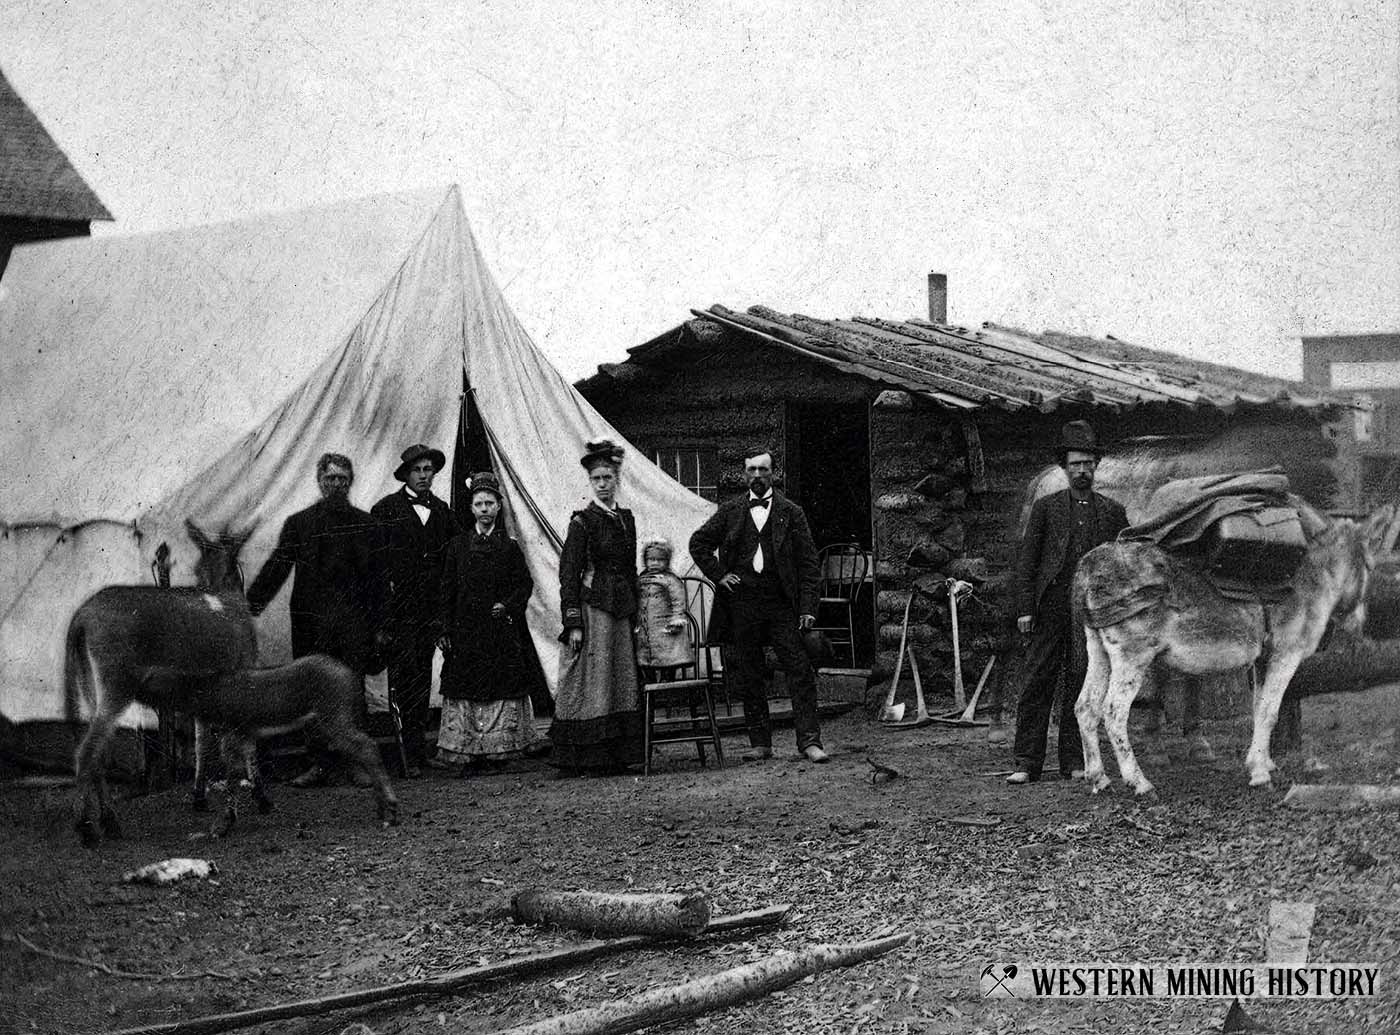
[761,502]
[422,501]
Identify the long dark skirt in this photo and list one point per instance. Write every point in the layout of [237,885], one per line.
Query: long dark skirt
[597,711]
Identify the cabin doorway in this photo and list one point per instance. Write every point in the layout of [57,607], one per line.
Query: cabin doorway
[828,475]
[828,470]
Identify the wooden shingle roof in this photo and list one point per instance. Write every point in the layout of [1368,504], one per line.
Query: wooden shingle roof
[998,367]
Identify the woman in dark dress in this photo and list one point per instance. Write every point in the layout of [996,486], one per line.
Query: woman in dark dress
[597,711]
[486,713]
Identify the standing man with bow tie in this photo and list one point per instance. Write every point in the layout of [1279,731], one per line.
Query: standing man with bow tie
[768,583]
[414,530]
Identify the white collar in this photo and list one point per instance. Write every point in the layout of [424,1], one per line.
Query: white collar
[769,495]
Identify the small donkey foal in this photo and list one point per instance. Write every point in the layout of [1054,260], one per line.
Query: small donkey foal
[316,693]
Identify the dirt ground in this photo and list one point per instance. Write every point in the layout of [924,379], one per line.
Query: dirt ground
[316,899]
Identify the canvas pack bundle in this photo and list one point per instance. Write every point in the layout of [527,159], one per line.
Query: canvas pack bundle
[1263,546]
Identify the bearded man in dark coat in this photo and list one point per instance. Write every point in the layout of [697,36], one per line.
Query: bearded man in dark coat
[758,551]
[336,601]
[1063,527]
[415,528]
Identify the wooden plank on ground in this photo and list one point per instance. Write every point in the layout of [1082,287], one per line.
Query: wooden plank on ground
[1290,930]
[1342,797]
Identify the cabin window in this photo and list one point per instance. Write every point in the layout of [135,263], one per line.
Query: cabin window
[695,467]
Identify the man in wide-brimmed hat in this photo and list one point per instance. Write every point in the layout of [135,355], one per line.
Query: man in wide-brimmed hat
[414,530]
[1063,527]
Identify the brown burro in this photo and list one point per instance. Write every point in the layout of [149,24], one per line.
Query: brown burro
[315,693]
[120,632]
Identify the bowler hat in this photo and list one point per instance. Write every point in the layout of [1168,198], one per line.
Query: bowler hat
[1078,435]
[413,454]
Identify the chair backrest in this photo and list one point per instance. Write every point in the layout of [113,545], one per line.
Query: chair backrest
[699,604]
[694,668]
[699,599]
[844,567]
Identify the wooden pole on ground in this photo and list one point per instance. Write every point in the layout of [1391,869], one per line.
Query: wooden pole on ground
[444,984]
[713,992]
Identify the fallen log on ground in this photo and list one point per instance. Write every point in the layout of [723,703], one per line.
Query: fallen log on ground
[603,913]
[713,992]
[1357,664]
[446,984]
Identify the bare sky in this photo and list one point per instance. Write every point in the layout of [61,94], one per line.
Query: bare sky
[1212,178]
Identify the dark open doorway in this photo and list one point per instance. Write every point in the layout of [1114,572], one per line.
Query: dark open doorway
[473,454]
[828,475]
[828,470]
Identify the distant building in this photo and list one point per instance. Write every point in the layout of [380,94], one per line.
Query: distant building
[1369,366]
[41,195]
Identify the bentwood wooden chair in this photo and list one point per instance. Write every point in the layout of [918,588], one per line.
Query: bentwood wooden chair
[844,568]
[687,687]
[699,601]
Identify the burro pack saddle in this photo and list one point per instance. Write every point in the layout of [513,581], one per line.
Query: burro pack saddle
[1243,534]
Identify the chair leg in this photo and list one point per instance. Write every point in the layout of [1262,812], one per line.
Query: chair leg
[851,630]
[714,726]
[695,727]
[649,708]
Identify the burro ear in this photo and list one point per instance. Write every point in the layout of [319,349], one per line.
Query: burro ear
[234,538]
[1392,528]
[196,535]
[1381,529]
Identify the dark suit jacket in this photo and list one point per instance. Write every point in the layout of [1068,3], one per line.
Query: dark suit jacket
[1047,540]
[409,556]
[336,599]
[794,560]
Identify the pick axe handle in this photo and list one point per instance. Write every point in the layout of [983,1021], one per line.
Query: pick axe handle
[959,691]
[970,712]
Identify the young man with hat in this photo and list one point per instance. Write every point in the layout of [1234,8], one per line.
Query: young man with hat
[1063,527]
[415,528]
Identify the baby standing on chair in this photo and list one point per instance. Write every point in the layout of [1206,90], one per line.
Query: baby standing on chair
[662,640]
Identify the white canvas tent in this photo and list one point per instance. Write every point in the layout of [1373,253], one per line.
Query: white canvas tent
[201,372]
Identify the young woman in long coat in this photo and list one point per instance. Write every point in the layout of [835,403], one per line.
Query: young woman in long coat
[486,711]
[597,710]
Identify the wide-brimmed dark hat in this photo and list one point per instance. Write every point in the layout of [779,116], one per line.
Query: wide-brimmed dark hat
[413,454]
[485,481]
[817,646]
[1078,435]
[601,451]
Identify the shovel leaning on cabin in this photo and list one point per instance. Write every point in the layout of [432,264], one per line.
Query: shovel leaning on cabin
[892,715]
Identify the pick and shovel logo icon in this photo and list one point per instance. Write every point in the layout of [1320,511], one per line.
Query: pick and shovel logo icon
[996,981]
